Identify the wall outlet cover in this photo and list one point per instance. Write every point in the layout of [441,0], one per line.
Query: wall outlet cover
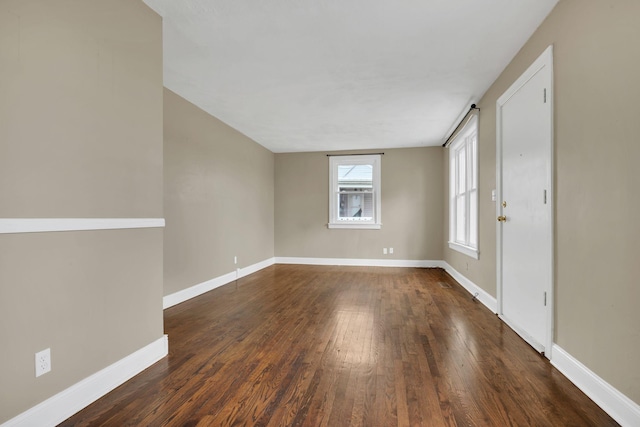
[43,362]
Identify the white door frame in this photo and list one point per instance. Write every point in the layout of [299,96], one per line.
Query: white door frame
[544,60]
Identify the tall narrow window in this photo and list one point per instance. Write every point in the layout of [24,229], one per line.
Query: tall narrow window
[463,181]
[354,191]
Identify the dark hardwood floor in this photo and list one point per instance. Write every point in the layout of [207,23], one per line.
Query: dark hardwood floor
[338,346]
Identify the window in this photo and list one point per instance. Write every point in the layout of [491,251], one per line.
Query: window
[354,191]
[463,182]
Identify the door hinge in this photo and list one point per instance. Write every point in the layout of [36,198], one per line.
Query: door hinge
[545,299]
[544,196]
[545,95]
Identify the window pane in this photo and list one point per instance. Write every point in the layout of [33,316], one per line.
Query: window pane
[460,220]
[462,164]
[463,158]
[367,208]
[355,177]
[355,183]
[356,206]
[473,219]
[474,161]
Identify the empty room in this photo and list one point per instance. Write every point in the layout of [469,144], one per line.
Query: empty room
[319,213]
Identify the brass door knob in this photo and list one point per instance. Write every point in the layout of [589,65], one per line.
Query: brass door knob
[502,218]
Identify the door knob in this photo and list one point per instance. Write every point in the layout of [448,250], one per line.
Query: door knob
[502,218]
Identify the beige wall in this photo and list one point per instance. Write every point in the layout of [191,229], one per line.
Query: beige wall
[596,68]
[218,197]
[80,136]
[80,106]
[411,212]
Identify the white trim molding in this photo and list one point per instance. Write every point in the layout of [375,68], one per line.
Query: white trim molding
[359,262]
[336,190]
[481,295]
[201,288]
[242,272]
[467,250]
[44,225]
[197,290]
[613,402]
[463,155]
[355,225]
[61,406]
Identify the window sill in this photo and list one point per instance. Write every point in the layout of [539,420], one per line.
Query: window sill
[467,250]
[353,225]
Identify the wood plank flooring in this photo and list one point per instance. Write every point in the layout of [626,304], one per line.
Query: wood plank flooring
[340,346]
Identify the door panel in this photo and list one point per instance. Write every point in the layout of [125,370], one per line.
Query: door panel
[526,235]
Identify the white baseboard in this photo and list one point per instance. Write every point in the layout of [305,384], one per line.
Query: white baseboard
[58,408]
[619,407]
[256,267]
[359,262]
[201,288]
[483,296]
[196,290]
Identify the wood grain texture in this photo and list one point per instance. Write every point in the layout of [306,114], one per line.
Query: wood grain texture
[343,346]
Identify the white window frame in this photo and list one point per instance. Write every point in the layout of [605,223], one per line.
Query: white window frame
[370,159]
[467,138]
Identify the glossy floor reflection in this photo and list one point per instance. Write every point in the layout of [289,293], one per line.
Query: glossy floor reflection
[338,346]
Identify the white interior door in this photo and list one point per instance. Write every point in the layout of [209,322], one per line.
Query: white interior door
[525,230]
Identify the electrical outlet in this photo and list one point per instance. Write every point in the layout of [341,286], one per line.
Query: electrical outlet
[390,250]
[384,251]
[43,362]
[235,259]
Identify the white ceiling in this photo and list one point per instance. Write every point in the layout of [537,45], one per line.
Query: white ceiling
[316,75]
